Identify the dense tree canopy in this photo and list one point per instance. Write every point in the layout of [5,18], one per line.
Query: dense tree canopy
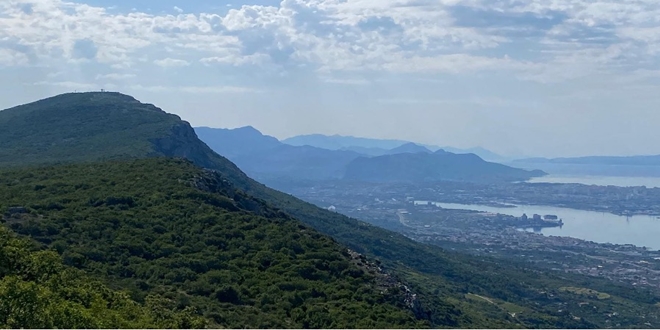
[38,291]
[166,227]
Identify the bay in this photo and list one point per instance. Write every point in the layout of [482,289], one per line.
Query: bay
[600,227]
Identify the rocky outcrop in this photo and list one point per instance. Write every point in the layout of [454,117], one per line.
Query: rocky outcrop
[182,142]
[389,284]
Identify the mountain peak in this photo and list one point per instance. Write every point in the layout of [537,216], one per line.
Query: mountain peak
[249,130]
[92,96]
[238,141]
[409,147]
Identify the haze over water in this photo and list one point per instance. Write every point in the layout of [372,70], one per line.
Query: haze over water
[619,181]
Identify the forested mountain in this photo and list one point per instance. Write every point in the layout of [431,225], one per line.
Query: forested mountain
[165,226]
[264,157]
[437,166]
[161,226]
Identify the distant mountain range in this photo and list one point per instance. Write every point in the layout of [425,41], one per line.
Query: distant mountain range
[265,158]
[378,147]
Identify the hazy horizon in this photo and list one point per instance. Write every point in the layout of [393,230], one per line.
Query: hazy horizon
[549,79]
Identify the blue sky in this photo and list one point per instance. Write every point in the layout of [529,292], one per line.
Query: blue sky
[534,77]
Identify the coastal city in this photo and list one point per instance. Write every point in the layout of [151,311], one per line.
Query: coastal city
[406,209]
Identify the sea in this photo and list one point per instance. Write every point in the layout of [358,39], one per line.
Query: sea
[600,227]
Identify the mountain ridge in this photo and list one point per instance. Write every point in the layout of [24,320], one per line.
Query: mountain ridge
[378,147]
[266,158]
[437,166]
[263,156]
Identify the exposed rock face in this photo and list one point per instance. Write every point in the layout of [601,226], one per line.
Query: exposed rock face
[388,283]
[181,143]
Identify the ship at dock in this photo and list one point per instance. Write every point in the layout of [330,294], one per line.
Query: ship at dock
[548,220]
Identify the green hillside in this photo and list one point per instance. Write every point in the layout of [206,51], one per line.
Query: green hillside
[447,285]
[164,226]
[38,291]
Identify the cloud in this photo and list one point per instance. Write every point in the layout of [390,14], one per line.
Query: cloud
[10,58]
[115,76]
[84,49]
[236,59]
[344,81]
[195,89]
[72,85]
[171,62]
[527,39]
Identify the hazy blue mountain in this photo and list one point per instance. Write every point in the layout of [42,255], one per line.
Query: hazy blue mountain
[366,151]
[479,151]
[233,143]
[441,165]
[409,148]
[376,147]
[264,157]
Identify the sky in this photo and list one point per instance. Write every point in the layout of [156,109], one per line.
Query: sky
[519,77]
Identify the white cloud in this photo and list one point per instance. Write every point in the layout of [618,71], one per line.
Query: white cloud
[423,37]
[236,59]
[9,57]
[72,85]
[345,81]
[195,89]
[171,62]
[115,76]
